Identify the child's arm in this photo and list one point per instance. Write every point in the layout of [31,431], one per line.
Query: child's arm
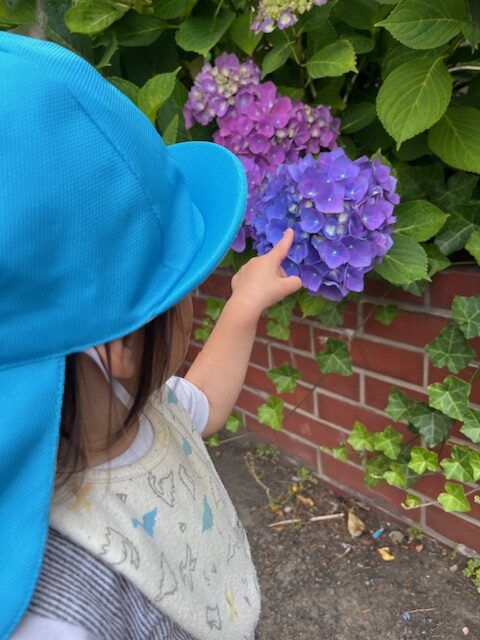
[219,369]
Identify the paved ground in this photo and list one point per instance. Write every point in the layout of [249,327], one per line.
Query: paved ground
[320,583]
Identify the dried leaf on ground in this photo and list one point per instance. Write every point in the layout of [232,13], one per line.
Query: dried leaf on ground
[355,526]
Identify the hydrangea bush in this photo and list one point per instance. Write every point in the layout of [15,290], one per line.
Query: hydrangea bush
[336,109]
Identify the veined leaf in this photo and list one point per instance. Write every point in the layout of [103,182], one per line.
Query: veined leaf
[422,460]
[471,425]
[473,245]
[405,262]
[454,499]
[450,396]
[335,59]
[456,138]
[457,467]
[361,439]
[389,442]
[432,425]
[284,377]
[155,92]
[466,311]
[271,413]
[419,219]
[201,33]
[335,358]
[450,349]
[94,16]
[387,314]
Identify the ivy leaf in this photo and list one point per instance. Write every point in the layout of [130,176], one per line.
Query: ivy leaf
[456,138]
[213,441]
[419,219]
[387,314]
[388,441]
[450,349]
[282,312]
[277,330]
[411,501]
[405,262]
[425,24]
[271,413]
[395,476]
[432,425]
[473,245]
[335,358]
[155,92]
[233,423]
[310,305]
[450,396]
[454,498]
[214,308]
[471,425]
[361,439]
[399,407]
[203,332]
[414,97]
[284,377]
[457,467]
[333,60]
[466,311]
[455,234]
[94,16]
[340,453]
[475,464]
[436,260]
[201,33]
[331,315]
[422,460]
[374,470]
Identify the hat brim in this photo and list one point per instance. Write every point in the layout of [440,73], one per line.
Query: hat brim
[218,187]
[31,397]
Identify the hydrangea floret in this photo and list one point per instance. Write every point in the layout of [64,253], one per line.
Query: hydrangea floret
[342,213]
[280,13]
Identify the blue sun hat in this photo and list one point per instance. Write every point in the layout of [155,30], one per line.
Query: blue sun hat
[102,227]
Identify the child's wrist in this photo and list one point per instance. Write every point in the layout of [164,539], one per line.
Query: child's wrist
[243,310]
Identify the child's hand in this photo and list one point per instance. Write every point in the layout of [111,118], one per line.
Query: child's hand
[262,282]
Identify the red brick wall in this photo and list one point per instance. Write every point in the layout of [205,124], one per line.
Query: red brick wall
[382,357]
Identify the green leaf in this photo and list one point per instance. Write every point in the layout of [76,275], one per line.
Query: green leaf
[450,349]
[425,24]
[456,138]
[357,116]
[454,498]
[201,33]
[414,97]
[399,407]
[395,476]
[282,312]
[358,15]
[203,332]
[361,439]
[473,245]
[213,441]
[277,330]
[242,35]
[388,441]
[125,86]
[333,60]
[15,13]
[414,148]
[271,413]
[433,426]
[387,314]
[94,16]
[404,263]
[154,93]
[466,311]
[284,377]
[475,464]
[310,305]
[340,453]
[331,315]
[138,29]
[422,460]
[411,501]
[454,234]
[374,470]
[335,358]
[419,219]
[275,58]
[450,396]
[471,425]
[436,260]
[457,467]
[214,308]
[169,135]
[233,423]
[168,9]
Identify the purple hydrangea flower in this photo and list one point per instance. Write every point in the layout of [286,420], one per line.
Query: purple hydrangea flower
[342,213]
[281,13]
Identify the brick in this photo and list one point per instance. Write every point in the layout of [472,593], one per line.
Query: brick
[416,329]
[432,485]
[300,450]
[300,335]
[192,353]
[258,379]
[379,289]
[384,495]
[438,375]
[455,528]
[249,401]
[199,307]
[388,360]
[217,285]
[377,391]
[259,354]
[458,281]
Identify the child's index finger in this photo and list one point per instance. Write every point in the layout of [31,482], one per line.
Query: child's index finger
[281,249]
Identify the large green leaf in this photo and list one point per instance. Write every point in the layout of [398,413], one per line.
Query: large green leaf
[125,86]
[154,93]
[450,349]
[425,24]
[419,219]
[389,442]
[333,60]
[375,468]
[399,407]
[414,97]
[357,116]
[436,260]
[271,413]
[453,499]
[471,425]
[455,234]
[422,460]
[284,378]
[457,467]
[275,58]
[19,12]
[456,138]
[242,34]
[310,305]
[169,134]
[361,439]
[168,9]
[358,14]
[201,33]
[94,16]
[335,358]
[138,29]
[432,425]
[450,397]
[466,311]
[404,263]
[395,476]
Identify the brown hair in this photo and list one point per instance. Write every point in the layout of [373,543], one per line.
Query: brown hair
[155,359]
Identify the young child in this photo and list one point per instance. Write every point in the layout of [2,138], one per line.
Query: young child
[114,522]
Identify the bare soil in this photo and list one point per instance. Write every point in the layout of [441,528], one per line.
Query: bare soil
[320,583]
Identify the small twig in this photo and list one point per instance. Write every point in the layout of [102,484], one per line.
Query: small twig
[465,67]
[251,467]
[420,610]
[332,516]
